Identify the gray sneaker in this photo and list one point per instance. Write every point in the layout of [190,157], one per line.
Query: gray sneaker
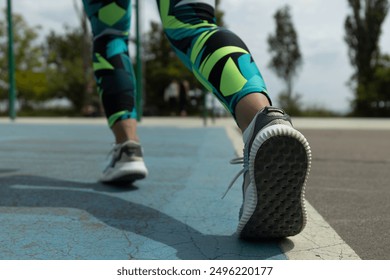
[126,164]
[277,160]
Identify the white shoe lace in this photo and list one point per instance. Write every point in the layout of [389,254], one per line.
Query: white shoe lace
[112,150]
[239,160]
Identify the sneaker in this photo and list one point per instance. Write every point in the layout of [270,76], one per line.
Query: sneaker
[126,164]
[277,160]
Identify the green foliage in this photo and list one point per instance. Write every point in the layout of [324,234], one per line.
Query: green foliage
[286,58]
[57,68]
[382,80]
[65,66]
[374,96]
[33,85]
[363,30]
[29,65]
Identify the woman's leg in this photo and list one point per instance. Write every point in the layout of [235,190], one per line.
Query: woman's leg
[217,57]
[110,23]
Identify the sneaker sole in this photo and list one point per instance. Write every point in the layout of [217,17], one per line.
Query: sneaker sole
[280,158]
[125,173]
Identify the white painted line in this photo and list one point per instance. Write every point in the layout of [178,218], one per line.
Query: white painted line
[342,123]
[318,241]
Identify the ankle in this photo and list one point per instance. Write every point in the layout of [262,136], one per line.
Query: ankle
[248,107]
[125,130]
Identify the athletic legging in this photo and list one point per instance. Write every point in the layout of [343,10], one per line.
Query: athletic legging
[218,58]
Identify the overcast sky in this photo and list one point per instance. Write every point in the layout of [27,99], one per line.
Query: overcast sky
[319,23]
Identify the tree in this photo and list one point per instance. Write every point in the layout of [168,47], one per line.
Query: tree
[69,65]
[31,82]
[363,29]
[377,92]
[286,57]
[66,74]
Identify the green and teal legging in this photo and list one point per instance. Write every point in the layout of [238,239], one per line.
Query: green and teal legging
[218,58]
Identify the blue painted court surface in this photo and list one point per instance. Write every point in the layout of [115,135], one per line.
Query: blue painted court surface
[52,206]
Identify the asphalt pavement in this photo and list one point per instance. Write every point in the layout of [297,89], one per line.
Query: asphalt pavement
[350,186]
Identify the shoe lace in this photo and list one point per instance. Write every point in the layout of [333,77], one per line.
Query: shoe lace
[238,160]
[112,150]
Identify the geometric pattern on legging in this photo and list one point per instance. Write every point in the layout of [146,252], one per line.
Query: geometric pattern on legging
[219,59]
[114,74]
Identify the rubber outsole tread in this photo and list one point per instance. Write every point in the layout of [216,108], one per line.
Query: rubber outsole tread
[282,163]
